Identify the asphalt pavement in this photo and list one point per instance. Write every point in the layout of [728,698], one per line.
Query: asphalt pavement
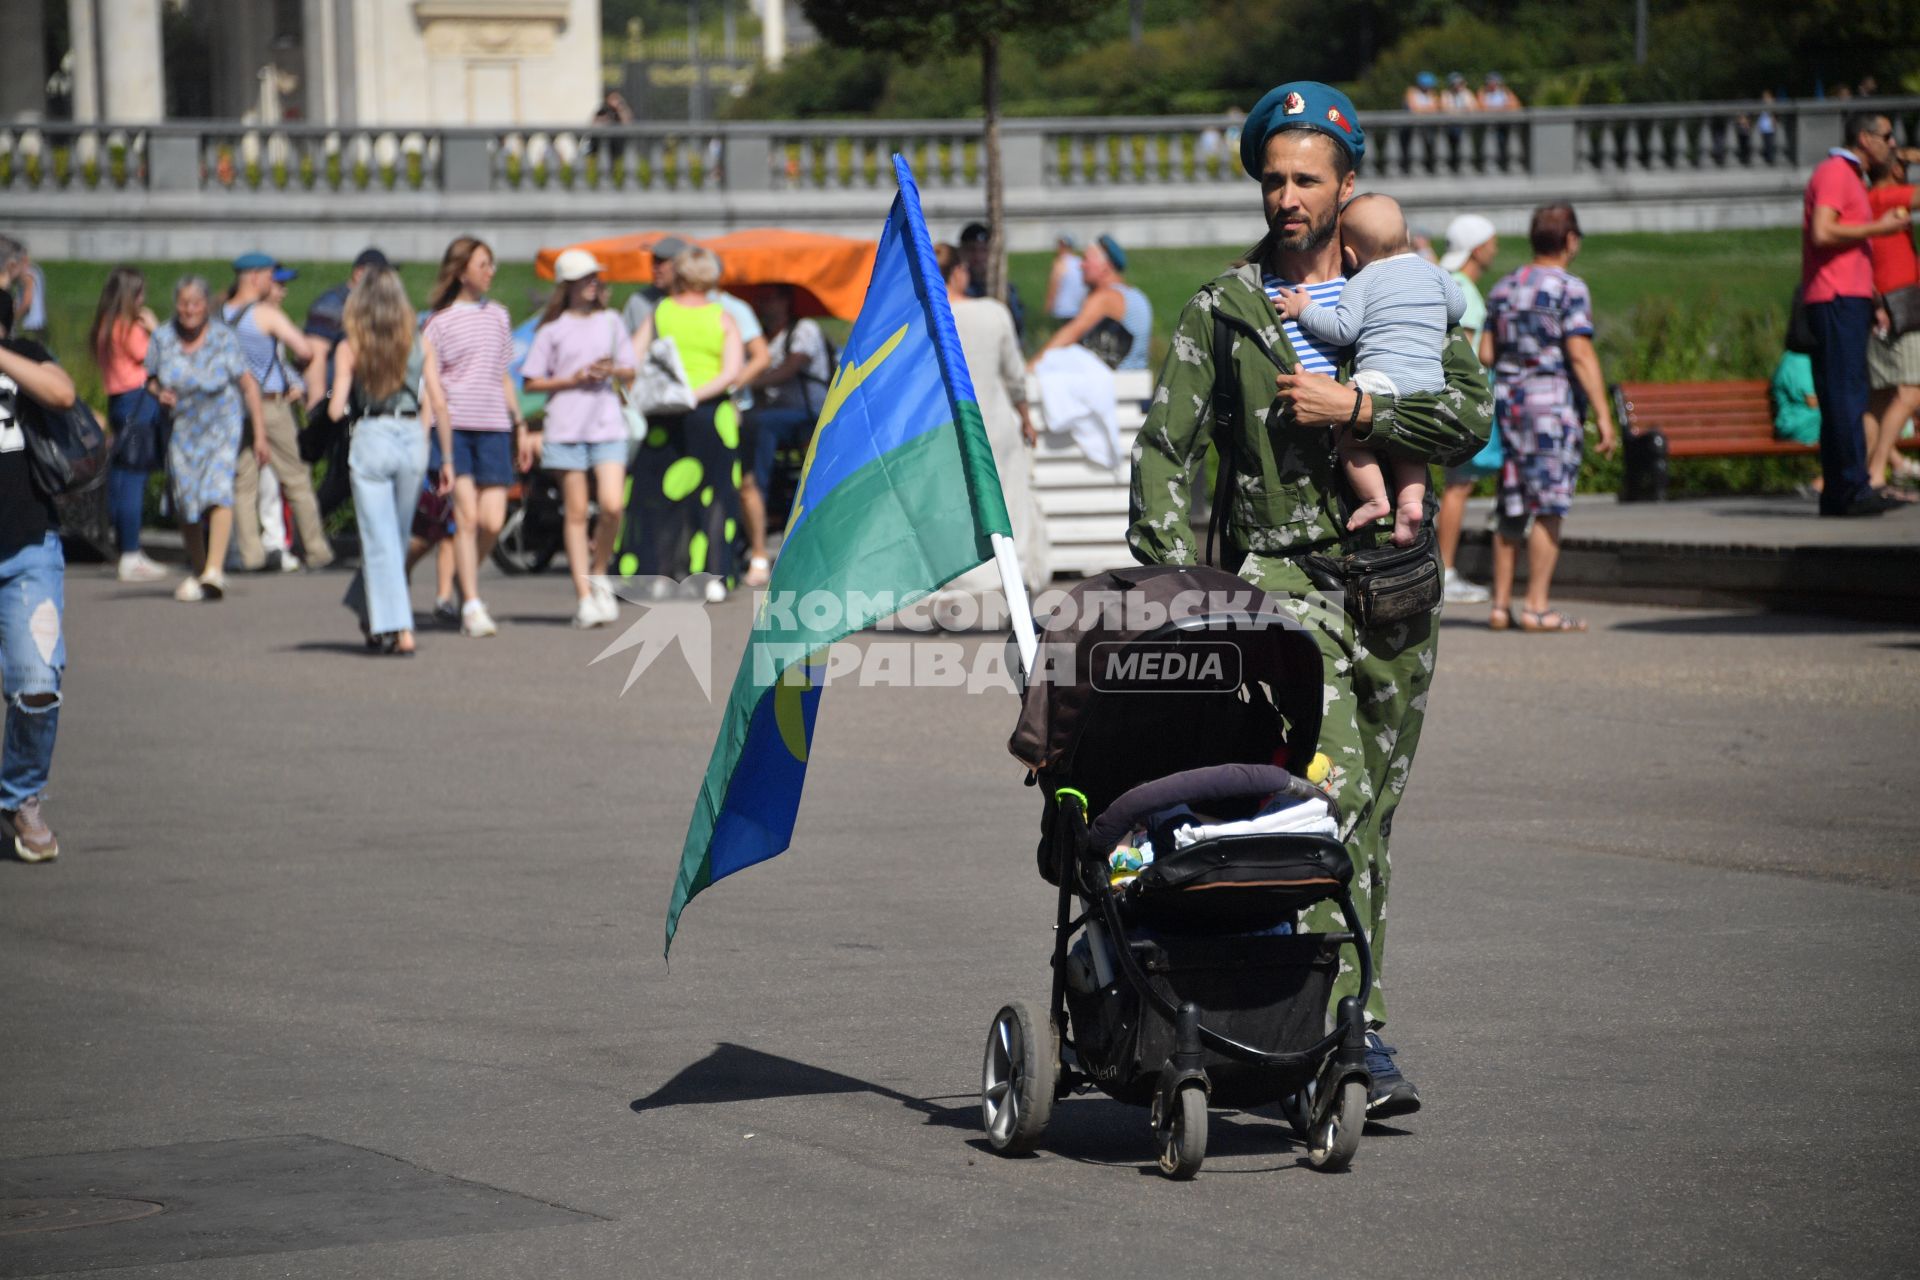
[352,967]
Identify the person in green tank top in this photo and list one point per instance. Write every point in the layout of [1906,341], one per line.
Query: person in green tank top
[686,475]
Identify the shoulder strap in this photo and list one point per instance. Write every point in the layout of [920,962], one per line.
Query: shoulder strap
[1226,441]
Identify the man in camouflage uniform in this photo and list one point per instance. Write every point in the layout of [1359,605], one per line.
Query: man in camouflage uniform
[1303,142]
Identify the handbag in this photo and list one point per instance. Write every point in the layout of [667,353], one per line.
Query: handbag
[661,385]
[321,432]
[1110,340]
[140,437]
[68,451]
[1383,584]
[1903,310]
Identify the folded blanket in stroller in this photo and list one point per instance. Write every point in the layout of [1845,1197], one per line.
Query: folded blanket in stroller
[1285,816]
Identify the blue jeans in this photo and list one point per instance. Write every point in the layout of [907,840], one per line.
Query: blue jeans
[33,653]
[126,502]
[1840,332]
[386,461]
[771,429]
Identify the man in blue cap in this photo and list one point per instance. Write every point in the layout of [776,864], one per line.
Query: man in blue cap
[264,330]
[1284,494]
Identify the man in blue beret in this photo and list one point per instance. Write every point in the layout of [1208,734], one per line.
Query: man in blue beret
[1289,406]
[289,366]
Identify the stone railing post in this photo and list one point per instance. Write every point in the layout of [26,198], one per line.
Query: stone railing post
[748,162]
[1817,128]
[1021,158]
[466,162]
[1552,150]
[173,161]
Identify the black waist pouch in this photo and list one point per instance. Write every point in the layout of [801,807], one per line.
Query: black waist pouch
[1385,584]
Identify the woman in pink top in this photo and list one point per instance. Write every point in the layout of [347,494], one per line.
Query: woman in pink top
[122,326]
[580,352]
[474,341]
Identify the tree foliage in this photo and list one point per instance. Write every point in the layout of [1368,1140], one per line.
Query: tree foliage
[1205,55]
[915,30]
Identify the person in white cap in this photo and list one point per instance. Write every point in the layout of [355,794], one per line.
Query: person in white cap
[1066,287]
[580,352]
[1471,246]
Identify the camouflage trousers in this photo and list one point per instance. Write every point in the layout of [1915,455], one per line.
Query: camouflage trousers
[1375,703]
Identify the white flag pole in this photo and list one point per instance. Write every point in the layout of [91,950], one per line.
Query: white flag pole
[1007,557]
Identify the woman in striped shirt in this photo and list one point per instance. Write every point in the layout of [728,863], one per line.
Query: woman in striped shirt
[473,339]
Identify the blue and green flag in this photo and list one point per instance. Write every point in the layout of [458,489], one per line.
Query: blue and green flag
[899,496]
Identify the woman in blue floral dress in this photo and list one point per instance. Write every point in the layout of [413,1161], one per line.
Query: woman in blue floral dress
[1539,340]
[197,369]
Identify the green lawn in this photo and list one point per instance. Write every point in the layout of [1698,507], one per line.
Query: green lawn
[1679,306]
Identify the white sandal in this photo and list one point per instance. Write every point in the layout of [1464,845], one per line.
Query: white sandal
[759,572]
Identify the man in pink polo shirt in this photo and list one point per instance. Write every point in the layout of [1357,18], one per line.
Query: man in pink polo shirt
[1836,276]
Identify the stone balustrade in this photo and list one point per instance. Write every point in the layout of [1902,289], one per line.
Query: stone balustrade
[186,189]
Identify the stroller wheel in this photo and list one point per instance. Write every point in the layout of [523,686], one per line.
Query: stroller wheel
[1183,1134]
[1333,1143]
[1016,1079]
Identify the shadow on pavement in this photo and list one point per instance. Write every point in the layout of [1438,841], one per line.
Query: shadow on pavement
[353,648]
[1756,624]
[1085,1129]
[735,1073]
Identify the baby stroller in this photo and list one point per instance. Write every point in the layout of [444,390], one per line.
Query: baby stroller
[1188,985]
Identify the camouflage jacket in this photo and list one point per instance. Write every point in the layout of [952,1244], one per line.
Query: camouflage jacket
[1287,483]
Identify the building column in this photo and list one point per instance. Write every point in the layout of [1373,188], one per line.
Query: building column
[23,64]
[133,76]
[773,33]
[318,42]
[86,61]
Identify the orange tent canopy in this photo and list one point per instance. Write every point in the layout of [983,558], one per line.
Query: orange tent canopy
[830,273]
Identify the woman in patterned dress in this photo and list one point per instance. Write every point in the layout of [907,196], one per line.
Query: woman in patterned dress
[196,369]
[1539,341]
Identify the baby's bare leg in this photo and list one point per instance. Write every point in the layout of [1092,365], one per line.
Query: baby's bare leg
[1409,498]
[1369,484]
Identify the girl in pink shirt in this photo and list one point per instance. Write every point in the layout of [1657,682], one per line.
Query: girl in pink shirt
[580,357]
[122,326]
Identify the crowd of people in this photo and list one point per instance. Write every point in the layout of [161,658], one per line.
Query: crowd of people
[1856,320]
[221,393]
[1457,97]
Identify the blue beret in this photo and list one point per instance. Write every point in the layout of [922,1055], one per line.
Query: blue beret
[1115,254]
[252,262]
[1302,104]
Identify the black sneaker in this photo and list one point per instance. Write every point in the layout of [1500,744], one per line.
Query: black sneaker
[1393,1094]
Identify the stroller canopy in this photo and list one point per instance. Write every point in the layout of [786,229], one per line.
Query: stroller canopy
[1219,673]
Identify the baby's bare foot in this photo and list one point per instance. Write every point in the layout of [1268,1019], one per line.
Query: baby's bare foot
[1367,512]
[1406,522]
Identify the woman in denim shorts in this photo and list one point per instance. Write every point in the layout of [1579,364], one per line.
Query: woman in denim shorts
[580,352]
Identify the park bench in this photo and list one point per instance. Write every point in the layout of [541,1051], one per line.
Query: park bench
[1662,420]
[1085,507]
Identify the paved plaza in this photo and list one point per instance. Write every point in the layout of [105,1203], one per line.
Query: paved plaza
[352,967]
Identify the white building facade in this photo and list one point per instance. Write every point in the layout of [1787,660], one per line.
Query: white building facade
[329,62]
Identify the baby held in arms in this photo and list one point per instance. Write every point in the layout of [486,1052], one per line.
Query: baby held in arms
[1395,311]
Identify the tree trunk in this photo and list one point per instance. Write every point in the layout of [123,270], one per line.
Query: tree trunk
[1137,22]
[996,283]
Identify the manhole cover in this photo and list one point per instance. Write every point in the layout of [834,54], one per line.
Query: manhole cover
[68,1213]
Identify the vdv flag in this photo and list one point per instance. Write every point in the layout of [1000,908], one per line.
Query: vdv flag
[898,496]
